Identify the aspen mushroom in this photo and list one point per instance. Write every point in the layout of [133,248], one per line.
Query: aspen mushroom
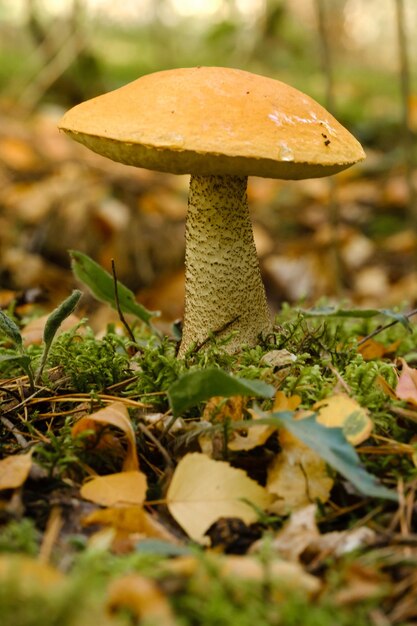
[220,125]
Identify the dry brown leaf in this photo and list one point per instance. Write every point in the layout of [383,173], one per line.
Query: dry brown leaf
[344,412]
[407,384]
[32,333]
[123,488]
[298,533]
[142,597]
[372,349]
[203,490]
[14,470]
[115,415]
[297,476]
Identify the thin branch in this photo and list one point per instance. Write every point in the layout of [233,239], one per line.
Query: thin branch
[381,328]
[119,310]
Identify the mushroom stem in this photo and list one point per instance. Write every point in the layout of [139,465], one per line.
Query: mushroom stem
[223,288]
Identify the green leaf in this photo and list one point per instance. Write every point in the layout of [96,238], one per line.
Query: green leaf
[19,359]
[195,387]
[330,311]
[101,285]
[10,328]
[158,547]
[58,315]
[332,446]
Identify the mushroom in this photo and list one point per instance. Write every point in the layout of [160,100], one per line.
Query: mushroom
[220,125]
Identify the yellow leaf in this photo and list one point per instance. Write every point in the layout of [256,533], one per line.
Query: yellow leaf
[130,519]
[115,415]
[14,470]
[142,597]
[344,412]
[203,490]
[285,403]
[297,476]
[115,489]
[256,435]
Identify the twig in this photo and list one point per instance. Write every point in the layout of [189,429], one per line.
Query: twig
[216,332]
[119,310]
[12,428]
[157,444]
[382,328]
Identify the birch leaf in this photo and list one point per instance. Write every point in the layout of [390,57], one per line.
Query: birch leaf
[341,411]
[123,488]
[14,470]
[203,490]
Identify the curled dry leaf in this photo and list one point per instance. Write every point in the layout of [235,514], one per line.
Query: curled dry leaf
[203,490]
[297,476]
[14,470]
[142,597]
[344,412]
[407,384]
[123,488]
[301,535]
[116,415]
[297,534]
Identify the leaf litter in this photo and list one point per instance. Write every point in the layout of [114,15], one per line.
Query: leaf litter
[301,486]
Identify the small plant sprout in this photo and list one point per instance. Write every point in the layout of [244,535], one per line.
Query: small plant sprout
[220,125]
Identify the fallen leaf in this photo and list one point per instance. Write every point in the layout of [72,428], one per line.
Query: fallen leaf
[300,535]
[116,489]
[407,384]
[129,520]
[372,349]
[14,470]
[341,411]
[285,403]
[297,534]
[297,476]
[142,597]
[255,435]
[115,415]
[203,490]
[32,333]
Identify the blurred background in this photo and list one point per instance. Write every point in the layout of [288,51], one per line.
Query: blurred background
[352,237]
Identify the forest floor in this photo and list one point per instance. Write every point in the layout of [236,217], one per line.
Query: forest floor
[275,486]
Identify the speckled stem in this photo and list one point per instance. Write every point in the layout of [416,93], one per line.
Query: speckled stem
[224,289]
